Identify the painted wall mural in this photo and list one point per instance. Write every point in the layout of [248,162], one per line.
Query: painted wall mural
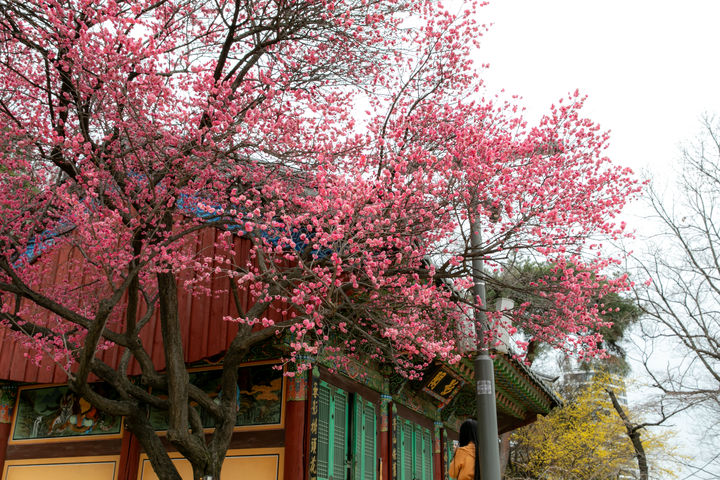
[56,412]
[258,396]
[297,387]
[8,394]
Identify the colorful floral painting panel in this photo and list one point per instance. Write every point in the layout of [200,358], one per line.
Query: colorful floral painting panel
[56,412]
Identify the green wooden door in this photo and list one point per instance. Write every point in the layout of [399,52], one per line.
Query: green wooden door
[333,417]
[365,446]
[347,436]
[414,451]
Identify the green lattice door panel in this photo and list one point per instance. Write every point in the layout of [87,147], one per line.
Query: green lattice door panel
[414,451]
[365,447]
[333,421]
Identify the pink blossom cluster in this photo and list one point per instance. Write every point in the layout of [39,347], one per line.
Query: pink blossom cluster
[339,159]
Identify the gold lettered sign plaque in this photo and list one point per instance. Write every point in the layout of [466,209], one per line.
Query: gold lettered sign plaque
[442,384]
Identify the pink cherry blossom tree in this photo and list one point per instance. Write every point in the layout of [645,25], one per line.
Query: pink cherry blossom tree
[337,149]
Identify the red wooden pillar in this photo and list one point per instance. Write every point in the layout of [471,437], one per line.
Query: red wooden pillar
[443,453]
[438,466]
[385,441]
[295,427]
[4,436]
[129,457]
[8,397]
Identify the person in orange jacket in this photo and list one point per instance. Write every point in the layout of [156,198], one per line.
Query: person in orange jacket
[464,465]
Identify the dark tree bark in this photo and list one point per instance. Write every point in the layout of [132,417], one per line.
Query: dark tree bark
[161,462]
[633,432]
[504,452]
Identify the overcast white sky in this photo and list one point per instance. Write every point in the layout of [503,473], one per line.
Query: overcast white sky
[650,68]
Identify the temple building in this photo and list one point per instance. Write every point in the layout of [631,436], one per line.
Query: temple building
[330,422]
[323,424]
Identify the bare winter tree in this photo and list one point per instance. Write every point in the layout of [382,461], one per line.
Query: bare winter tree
[681,298]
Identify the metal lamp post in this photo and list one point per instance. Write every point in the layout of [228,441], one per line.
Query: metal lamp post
[484,371]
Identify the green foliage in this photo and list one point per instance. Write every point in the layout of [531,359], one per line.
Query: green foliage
[530,284]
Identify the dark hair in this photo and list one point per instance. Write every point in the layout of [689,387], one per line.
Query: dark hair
[468,434]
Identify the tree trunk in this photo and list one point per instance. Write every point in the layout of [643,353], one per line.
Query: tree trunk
[187,436]
[504,452]
[160,460]
[153,446]
[640,453]
[210,470]
[633,432]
